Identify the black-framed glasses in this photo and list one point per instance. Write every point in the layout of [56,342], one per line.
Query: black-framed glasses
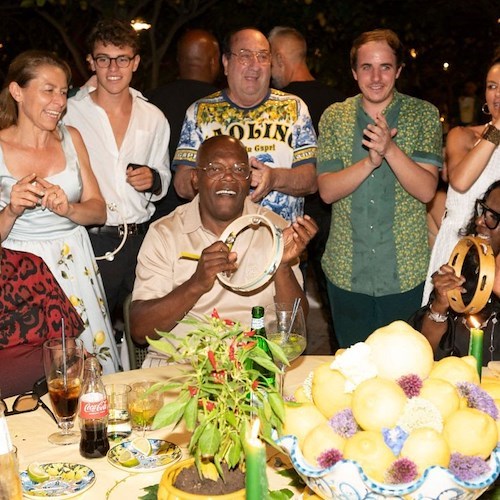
[491,218]
[29,401]
[217,171]
[247,56]
[103,61]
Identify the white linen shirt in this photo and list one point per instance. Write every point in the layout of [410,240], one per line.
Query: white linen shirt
[145,143]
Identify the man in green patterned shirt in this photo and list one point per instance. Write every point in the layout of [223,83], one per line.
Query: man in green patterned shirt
[378,160]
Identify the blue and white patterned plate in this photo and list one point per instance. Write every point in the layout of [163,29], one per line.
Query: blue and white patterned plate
[66,480]
[164,453]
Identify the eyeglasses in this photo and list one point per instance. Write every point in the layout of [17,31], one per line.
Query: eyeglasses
[217,171]
[491,218]
[246,56]
[24,403]
[105,61]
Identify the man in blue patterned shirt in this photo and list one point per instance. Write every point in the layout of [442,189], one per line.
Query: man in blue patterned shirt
[275,127]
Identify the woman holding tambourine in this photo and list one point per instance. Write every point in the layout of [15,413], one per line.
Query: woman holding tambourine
[467,289]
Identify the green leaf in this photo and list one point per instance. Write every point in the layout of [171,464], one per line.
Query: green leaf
[151,492]
[282,494]
[191,413]
[165,347]
[277,404]
[209,441]
[171,413]
[230,418]
[278,353]
[234,453]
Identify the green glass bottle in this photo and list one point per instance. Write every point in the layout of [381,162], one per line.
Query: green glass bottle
[257,326]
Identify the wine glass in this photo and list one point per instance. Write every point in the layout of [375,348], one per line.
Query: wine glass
[285,326]
[63,364]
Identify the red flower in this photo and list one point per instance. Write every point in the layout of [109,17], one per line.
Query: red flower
[215,314]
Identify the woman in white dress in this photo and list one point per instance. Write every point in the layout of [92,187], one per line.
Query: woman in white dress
[473,163]
[48,192]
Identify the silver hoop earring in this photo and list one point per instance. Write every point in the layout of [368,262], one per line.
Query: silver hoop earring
[485,109]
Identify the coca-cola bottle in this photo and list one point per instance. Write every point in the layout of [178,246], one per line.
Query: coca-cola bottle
[93,412]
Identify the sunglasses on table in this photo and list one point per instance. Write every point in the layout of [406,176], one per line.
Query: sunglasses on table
[29,401]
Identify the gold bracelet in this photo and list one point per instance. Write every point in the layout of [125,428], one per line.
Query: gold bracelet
[492,134]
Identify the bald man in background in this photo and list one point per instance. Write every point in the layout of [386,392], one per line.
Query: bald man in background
[290,73]
[198,60]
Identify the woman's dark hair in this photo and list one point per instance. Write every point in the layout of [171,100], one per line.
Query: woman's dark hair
[470,228]
[22,70]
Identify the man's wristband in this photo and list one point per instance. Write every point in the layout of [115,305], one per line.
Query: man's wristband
[492,134]
[437,317]
[156,187]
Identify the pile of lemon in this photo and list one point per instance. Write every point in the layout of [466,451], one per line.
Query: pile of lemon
[378,402]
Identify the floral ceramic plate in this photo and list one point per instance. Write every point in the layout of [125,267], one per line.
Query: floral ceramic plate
[164,453]
[66,481]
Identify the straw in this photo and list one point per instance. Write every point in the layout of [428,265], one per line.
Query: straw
[295,310]
[63,338]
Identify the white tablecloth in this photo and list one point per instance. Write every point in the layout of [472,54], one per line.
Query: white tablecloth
[29,433]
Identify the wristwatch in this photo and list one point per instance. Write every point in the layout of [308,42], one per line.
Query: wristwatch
[437,317]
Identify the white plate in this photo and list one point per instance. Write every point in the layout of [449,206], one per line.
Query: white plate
[164,454]
[66,480]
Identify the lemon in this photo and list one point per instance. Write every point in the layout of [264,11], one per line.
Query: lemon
[322,438]
[300,419]
[99,338]
[370,451]
[491,386]
[127,459]
[471,432]
[426,447]
[442,394]
[377,403]
[398,349]
[454,370]
[36,473]
[142,445]
[328,390]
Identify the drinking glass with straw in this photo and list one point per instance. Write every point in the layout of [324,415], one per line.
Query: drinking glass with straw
[63,365]
[285,325]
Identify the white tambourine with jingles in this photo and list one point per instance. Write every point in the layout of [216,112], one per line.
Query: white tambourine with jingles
[485,274]
[263,264]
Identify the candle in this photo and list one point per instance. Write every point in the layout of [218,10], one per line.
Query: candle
[255,459]
[476,345]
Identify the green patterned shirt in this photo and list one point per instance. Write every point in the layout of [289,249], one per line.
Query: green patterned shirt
[378,235]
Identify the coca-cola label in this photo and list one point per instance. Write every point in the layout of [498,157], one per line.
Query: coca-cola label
[93,405]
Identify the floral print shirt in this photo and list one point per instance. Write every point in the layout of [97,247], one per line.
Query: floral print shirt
[278,131]
[378,235]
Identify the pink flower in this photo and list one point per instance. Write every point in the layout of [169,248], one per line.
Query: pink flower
[329,458]
[411,385]
[402,470]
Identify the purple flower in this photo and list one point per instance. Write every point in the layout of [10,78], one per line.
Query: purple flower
[394,438]
[343,423]
[329,457]
[467,468]
[411,385]
[478,398]
[402,470]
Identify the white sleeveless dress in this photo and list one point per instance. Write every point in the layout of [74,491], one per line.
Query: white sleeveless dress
[66,249]
[459,209]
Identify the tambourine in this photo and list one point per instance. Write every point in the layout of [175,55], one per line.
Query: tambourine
[472,258]
[261,244]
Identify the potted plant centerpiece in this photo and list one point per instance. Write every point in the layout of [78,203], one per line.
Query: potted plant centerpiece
[221,393]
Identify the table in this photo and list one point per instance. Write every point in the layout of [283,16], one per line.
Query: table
[29,432]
